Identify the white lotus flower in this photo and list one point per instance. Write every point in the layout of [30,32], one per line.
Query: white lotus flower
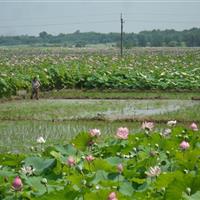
[28,170]
[153,171]
[41,140]
[166,132]
[171,123]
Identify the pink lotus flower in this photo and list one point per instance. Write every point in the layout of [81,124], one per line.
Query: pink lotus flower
[148,126]
[89,158]
[70,161]
[17,184]
[112,196]
[122,133]
[120,168]
[194,127]
[95,132]
[184,145]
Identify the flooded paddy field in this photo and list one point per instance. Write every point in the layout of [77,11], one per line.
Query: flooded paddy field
[21,122]
[76,109]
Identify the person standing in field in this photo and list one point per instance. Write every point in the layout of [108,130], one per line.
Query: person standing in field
[35,88]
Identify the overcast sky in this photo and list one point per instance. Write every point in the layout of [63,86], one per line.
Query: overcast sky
[33,16]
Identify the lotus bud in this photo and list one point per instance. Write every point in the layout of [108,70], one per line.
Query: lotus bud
[163,189]
[84,182]
[134,149]
[17,184]
[186,137]
[194,127]
[97,187]
[127,156]
[32,148]
[64,173]
[112,196]
[183,131]
[167,152]
[120,168]
[118,154]
[70,161]
[44,181]
[188,191]
[137,139]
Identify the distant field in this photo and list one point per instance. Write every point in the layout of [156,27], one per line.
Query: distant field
[140,69]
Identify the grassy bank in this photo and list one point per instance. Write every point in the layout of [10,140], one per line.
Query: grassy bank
[108,94]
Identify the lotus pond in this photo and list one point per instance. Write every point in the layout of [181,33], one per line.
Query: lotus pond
[57,69]
[145,165]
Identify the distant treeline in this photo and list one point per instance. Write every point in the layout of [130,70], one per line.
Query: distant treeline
[154,38]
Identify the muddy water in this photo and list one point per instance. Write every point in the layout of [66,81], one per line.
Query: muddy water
[122,109]
[143,108]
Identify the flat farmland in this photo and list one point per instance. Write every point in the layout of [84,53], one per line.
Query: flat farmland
[104,127]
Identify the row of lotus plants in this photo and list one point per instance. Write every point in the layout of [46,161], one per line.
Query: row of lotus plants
[125,166]
[100,72]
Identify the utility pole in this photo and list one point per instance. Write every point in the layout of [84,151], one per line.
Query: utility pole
[121,44]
